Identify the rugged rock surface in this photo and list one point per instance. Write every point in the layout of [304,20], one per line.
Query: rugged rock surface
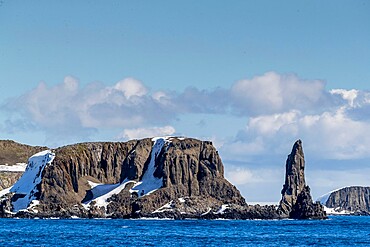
[188,168]
[349,200]
[116,180]
[296,201]
[12,153]
[7,179]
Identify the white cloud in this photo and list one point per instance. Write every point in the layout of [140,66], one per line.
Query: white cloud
[131,87]
[323,181]
[276,93]
[349,95]
[278,108]
[240,175]
[139,133]
[331,135]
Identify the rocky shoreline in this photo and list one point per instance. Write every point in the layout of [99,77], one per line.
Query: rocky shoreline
[178,178]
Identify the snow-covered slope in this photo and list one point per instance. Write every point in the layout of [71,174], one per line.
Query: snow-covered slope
[26,186]
[148,184]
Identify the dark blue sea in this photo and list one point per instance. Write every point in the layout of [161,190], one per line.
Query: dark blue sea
[337,231]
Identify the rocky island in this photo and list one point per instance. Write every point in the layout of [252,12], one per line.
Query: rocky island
[165,177]
[352,200]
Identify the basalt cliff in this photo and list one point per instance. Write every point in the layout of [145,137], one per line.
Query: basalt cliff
[354,200]
[160,177]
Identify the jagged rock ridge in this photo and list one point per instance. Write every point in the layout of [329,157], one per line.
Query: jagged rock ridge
[296,201]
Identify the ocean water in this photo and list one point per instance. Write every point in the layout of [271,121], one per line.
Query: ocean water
[337,231]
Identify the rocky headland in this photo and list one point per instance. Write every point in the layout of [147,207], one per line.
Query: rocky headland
[352,200]
[160,177]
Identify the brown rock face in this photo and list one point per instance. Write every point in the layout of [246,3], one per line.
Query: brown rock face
[294,178]
[12,153]
[7,179]
[296,201]
[354,199]
[188,167]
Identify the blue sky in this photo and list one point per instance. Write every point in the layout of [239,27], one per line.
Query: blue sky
[253,76]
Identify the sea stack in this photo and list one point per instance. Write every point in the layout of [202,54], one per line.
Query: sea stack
[296,201]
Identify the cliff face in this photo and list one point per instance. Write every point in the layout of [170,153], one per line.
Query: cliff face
[296,201]
[7,179]
[11,154]
[181,168]
[159,177]
[354,199]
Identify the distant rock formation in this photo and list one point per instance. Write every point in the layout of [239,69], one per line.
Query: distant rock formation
[348,200]
[12,152]
[133,179]
[160,177]
[296,201]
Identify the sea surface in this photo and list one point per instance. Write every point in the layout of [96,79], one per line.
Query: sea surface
[337,231]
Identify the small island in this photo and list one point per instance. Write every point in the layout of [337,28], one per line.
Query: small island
[163,177]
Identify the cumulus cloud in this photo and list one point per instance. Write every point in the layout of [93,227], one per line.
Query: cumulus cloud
[331,135]
[131,87]
[275,93]
[139,133]
[275,105]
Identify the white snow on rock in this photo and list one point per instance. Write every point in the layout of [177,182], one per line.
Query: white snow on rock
[26,186]
[208,211]
[222,209]
[19,167]
[102,192]
[149,183]
[4,192]
[336,211]
[166,207]
[182,200]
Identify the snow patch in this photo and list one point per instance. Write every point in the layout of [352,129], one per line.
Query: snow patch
[182,200]
[209,210]
[92,184]
[336,211]
[19,167]
[149,183]
[222,209]
[4,192]
[102,192]
[26,186]
[166,207]
[263,203]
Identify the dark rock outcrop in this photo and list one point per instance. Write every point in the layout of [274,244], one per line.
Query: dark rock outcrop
[188,173]
[296,201]
[353,199]
[188,167]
